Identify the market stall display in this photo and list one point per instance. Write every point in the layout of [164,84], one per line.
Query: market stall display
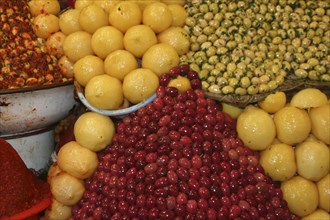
[216,109]
[35,92]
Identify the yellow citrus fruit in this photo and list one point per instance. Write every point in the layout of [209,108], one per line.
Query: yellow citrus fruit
[77,45]
[182,83]
[53,170]
[45,25]
[313,159]
[256,128]
[231,110]
[323,186]
[54,44]
[179,2]
[124,15]
[318,214]
[157,16]
[47,7]
[310,97]
[138,39]
[79,4]
[119,63]
[278,161]
[104,92]
[177,37]
[86,68]
[106,40]
[292,125]
[179,15]
[301,195]
[320,118]
[273,102]
[76,160]
[67,189]
[92,17]
[58,211]
[69,21]
[160,58]
[140,84]
[106,4]
[94,131]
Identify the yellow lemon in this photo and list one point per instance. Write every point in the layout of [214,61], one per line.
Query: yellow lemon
[86,68]
[141,3]
[92,17]
[182,83]
[273,102]
[318,214]
[301,195]
[77,45]
[79,4]
[138,39]
[124,15]
[313,159]
[94,131]
[157,16]
[45,25]
[106,4]
[66,189]
[310,97]
[104,92]
[323,186]
[160,58]
[177,37]
[119,63]
[278,161]
[58,211]
[46,7]
[76,160]
[179,2]
[320,118]
[140,84]
[53,170]
[292,125]
[106,40]
[231,110]
[179,15]
[256,128]
[69,21]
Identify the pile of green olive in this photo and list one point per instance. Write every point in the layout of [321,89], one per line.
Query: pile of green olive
[248,47]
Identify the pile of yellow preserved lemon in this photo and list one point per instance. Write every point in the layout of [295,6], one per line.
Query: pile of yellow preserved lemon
[293,139]
[125,44]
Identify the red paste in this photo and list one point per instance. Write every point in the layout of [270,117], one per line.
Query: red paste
[20,190]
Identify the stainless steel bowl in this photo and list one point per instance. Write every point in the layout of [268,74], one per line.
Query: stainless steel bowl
[28,109]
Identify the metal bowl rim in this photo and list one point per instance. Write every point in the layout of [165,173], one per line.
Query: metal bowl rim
[31,89]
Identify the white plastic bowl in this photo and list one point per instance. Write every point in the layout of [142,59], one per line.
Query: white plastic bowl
[120,113]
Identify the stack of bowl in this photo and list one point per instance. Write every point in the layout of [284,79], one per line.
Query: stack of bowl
[28,117]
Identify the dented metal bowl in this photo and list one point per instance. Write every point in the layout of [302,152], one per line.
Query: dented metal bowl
[27,109]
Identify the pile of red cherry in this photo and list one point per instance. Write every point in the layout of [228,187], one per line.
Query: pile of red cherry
[180,158]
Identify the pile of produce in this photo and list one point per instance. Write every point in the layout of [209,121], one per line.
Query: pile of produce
[184,156]
[246,48]
[293,139]
[127,44]
[24,60]
[178,157]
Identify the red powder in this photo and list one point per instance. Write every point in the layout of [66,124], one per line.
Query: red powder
[20,189]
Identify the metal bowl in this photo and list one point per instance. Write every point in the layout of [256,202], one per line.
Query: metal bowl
[34,147]
[28,109]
